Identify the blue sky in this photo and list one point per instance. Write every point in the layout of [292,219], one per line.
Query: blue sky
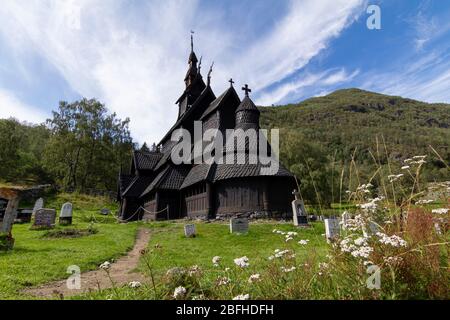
[132,54]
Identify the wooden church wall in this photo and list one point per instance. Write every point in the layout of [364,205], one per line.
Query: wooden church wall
[239,195]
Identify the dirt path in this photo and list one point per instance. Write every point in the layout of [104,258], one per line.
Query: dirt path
[120,272]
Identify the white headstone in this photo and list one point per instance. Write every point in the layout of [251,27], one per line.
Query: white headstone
[238,225]
[331,229]
[66,210]
[344,219]
[189,230]
[39,204]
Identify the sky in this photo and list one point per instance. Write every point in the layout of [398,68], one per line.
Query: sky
[132,54]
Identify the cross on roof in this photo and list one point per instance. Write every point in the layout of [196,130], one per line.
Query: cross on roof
[231,82]
[246,89]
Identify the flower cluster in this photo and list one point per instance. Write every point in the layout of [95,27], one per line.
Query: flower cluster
[356,247]
[364,188]
[303,242]
[280,253]
[370,206]
[287,270]
[223,281]
[105,265]
[395,177]
[394,240]
[254,278]
[242,262]
[424,201]
[179,292]
[440,211]
[216,261]
[242,297]
[194,271]
[134,284]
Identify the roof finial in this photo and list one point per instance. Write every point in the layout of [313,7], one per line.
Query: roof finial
[209,73]
[231,82]
[246,89]
[200,64]
[192,41]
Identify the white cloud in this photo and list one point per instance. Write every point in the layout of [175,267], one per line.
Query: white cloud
[12,107]
[135,60]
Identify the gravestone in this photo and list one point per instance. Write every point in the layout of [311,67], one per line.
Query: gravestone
[189,230]
[39,204]
[44,218]
[331,229]
[299,214]
[65,216]
[238,225]
[105,211]
[344,219]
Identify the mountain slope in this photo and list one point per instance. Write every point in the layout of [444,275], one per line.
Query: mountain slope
[354,118]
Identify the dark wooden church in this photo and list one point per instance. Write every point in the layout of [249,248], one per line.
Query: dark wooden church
[160,189]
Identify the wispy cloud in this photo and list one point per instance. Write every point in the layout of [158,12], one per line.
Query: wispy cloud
[11,107]
[134,59]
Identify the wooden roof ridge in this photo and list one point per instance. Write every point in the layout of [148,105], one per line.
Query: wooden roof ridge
[217,103]
[155,181]
[189,111]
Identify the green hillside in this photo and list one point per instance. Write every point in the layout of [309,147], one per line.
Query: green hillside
[336,125]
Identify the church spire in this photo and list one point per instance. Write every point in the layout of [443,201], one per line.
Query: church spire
[192,70]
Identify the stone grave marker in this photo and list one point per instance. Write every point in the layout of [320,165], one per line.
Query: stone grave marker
[238,225]
[105,211]
[189,230]
[44,218]
[299,215]
[344,219]
[331,229]
[39,204]
[65,216]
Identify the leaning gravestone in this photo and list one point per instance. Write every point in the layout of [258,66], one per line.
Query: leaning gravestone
[189,230]
[238,225]
[39,204]
[299,214]
[65,216]
[331,229]
[44,218]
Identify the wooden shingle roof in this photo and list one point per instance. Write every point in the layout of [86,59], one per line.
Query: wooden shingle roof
[146,160]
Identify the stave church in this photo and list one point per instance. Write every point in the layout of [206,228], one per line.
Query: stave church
[160,189]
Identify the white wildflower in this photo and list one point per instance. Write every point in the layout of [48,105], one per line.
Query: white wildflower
[134,284]
[440,211]
[405,167]
[179,292]
[303,242]
[216,261]
[424,201]
[362,252]
[242,297]
[194,270]
[286,270]
[223,281]
[242,262]
[105,265]
[360,241]
[394,240]
[254,278]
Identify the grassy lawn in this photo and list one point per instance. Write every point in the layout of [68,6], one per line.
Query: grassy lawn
[215,239]
[37,259]
[169,248]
